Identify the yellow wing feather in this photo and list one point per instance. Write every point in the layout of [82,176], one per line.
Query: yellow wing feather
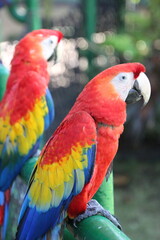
[56,180]
[24,133]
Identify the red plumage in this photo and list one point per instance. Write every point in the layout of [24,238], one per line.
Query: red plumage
[77,157]
[26,109]
[109,113]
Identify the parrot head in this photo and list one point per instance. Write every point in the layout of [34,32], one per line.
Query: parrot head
[106,95]
[38,44]
[130,82]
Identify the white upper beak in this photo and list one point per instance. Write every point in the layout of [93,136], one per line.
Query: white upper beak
[144,87]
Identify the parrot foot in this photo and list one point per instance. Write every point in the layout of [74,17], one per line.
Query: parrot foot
[94,208]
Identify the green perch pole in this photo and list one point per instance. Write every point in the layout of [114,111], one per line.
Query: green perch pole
[90,14]
[96,228]
[4,73]
[105,194]
[32,15]
[27,169]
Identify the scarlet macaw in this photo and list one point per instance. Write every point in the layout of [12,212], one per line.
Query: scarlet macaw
[75,160]
[26,109]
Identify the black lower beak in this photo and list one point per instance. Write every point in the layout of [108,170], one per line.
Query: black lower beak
[134,94]
[53,56]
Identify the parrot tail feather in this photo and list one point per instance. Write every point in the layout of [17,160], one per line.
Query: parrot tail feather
[57,232]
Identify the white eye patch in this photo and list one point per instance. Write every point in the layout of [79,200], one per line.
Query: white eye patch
[48,46]
[123,82]
[122,76]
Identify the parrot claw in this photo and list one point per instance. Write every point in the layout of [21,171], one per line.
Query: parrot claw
[75,223]
[94,208]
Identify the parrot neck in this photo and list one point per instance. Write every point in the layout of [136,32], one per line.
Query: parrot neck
[21,67]
[28,57]
[29,64]
[102,102]
[110,113]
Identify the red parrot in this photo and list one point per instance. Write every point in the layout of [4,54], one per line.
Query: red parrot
[77,157]
[26,109]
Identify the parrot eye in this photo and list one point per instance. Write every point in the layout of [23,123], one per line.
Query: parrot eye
[122,77]
[53,41]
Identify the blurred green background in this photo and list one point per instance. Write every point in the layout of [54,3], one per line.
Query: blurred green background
[97,35]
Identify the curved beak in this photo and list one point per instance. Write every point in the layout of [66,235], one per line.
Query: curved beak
[141,90]
[53,56]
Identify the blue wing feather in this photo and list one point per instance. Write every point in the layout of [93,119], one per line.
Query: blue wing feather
[5,172]
[91,152]
[51,110]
